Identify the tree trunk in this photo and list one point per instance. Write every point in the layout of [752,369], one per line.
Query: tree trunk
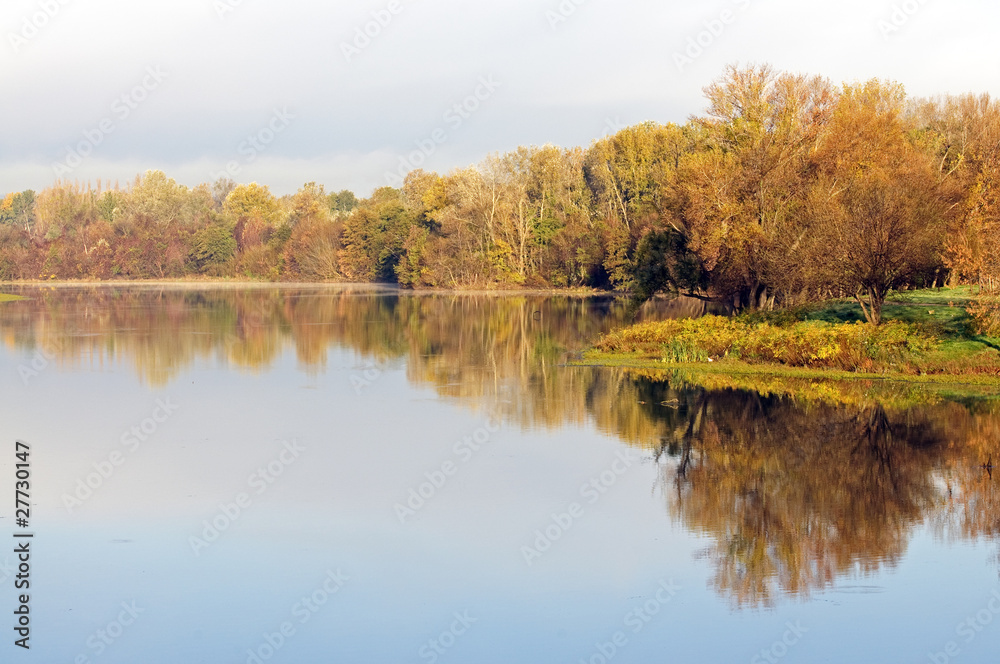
[873,310]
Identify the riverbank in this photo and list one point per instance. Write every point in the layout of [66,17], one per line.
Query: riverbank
[928,337]
[214,282]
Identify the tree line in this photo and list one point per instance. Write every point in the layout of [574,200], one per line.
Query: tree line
[789,188]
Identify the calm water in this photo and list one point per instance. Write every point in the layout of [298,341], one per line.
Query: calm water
[399,478]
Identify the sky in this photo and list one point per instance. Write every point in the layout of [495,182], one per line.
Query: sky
[352,94]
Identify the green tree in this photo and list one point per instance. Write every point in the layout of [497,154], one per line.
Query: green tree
[19,209]
[213,246]
[374,237]
[156,201]
[343,202]
[663,262]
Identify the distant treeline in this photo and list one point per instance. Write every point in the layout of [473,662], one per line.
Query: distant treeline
[788,189]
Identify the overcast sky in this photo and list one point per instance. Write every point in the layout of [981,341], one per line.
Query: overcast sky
[110,88]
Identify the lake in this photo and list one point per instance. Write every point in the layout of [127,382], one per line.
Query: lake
[354,474]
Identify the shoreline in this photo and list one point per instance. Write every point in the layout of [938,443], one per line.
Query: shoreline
[736,368]
[926,339]
[327,285]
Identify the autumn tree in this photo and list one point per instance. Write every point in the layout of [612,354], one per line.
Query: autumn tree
[18,209]
[374,236]
[465,207]
[255,215]
[221,189]
[157,201]
[253,202]
[314,244]
[63,208]
[739,200]
[877,214]
[563,249]
[962,134]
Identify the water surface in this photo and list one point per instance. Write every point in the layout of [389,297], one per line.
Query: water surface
[419,478]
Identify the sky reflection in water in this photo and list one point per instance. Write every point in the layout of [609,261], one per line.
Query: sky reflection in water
[861,517]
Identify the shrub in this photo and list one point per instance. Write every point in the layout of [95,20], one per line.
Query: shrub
[985,317]
[857,346]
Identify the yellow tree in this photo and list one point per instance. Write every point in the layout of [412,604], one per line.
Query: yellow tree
[967,130]
[876,205]
[254,212]
[313,237]
[155,201]
[741,199]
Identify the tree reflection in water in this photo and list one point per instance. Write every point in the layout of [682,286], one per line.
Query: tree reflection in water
[795,497]
[796,488]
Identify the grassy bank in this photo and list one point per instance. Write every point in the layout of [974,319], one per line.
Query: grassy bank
[5,297]
[822,386]
[927,337]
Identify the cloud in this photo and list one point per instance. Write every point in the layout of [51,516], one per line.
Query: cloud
[356,116]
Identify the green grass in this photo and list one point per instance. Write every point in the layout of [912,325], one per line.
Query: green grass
[926,337]
[939,296]
[940,314]
[5,297]
[739,368]
[813,385]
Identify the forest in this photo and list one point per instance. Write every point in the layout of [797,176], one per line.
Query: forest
[787,190]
